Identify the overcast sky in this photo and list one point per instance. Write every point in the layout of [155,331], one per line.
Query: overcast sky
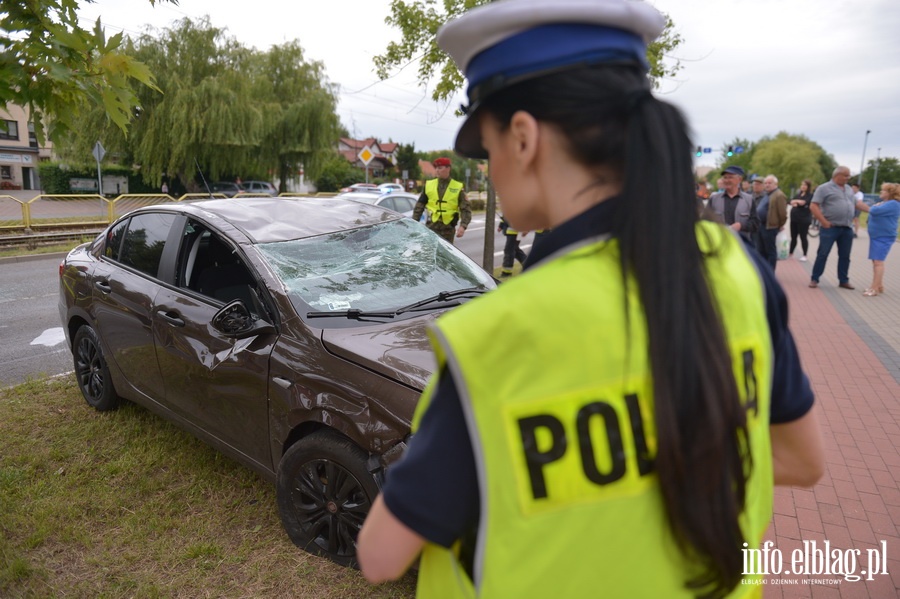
[827,69]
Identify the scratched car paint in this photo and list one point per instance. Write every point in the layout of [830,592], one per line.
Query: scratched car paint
[289,333]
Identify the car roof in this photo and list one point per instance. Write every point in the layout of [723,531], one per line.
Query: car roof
[266,220]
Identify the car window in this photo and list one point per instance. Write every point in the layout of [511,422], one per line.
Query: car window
[114,239]
[379,267]
[403,204]
[387,203]
[210,266]
[144,240]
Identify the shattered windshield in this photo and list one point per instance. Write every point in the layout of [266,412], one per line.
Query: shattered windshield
[379,267]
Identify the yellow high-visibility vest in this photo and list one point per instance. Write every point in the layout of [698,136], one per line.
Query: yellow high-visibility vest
[446,208]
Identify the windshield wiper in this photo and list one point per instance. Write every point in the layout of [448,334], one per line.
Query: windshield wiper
[352,314]
[443,296]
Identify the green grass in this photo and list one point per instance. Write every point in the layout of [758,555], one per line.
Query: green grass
[124,504]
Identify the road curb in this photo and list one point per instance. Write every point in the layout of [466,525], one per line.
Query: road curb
[31,257]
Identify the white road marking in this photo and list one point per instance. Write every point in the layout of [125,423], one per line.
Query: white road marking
[50,337]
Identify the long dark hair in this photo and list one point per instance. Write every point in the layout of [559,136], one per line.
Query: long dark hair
[610,120]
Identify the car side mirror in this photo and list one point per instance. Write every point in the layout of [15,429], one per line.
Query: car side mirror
[235,320]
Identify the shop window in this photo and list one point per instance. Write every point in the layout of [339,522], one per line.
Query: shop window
[5,172]
[9,129]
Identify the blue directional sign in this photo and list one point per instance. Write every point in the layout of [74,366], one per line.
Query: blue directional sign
[738,149]
[707,150]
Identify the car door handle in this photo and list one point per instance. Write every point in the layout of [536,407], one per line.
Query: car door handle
[173,318]
[103,286]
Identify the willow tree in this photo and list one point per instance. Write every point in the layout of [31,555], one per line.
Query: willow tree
[206,115]
[300,124]
[221,108]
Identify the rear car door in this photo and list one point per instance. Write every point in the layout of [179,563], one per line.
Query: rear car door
[214,382]
[125,283]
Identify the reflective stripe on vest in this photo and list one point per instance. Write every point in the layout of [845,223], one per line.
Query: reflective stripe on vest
[564,449]
[444,208]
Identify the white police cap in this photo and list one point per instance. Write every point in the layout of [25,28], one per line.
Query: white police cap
[507,41]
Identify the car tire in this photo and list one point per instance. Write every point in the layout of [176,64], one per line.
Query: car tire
[324,493]
[92,372]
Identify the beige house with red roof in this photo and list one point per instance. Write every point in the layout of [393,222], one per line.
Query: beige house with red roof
[385,154]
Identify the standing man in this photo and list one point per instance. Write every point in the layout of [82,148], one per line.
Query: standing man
[733,205]
[774,218]
[446,202]
[833,206]
[758,193]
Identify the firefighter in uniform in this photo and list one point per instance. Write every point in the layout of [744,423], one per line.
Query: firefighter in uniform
[446,203]
[511,249]
[611,422]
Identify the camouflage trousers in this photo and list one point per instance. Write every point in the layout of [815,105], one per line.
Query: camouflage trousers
[448,232]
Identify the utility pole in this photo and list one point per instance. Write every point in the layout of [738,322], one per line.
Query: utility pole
[875,178]
[487,262]
[862,164]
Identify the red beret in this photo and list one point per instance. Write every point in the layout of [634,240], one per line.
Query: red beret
[441,162]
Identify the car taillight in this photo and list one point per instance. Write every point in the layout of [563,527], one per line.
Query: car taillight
[62,267]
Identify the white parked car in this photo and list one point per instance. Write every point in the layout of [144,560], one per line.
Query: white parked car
[401,202]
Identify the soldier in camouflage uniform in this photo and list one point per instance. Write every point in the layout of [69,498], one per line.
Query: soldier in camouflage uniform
[445,199]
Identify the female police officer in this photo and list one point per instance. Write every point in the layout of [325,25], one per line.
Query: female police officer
[611,422]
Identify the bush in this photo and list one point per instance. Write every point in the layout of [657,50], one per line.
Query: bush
[336,173]
[477,204]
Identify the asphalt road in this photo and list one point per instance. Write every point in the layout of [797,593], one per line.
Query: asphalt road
[32,344]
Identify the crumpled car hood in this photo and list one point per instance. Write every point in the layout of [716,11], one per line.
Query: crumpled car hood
[399,350]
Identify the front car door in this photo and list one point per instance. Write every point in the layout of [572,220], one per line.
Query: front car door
[216,383]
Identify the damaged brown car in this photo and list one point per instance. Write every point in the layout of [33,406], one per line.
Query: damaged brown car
[289,333]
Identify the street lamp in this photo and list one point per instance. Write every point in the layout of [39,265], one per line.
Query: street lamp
[862,164]
[877,162]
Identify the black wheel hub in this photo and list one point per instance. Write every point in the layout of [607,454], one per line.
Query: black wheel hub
[331,506]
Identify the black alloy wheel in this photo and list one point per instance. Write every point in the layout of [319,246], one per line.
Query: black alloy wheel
[324,494]
[92,372]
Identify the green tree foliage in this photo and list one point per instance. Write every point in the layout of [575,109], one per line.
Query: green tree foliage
[792,158]
[55,68]
[789,157]
[230,110]
[408,160]
[888,172]
[299,120]
[419,20]
[336,173]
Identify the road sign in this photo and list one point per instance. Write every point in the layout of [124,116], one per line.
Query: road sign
[366,155]
[707,150]
[98,151]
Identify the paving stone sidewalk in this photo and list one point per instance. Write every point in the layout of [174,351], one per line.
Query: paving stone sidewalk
[850,347]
